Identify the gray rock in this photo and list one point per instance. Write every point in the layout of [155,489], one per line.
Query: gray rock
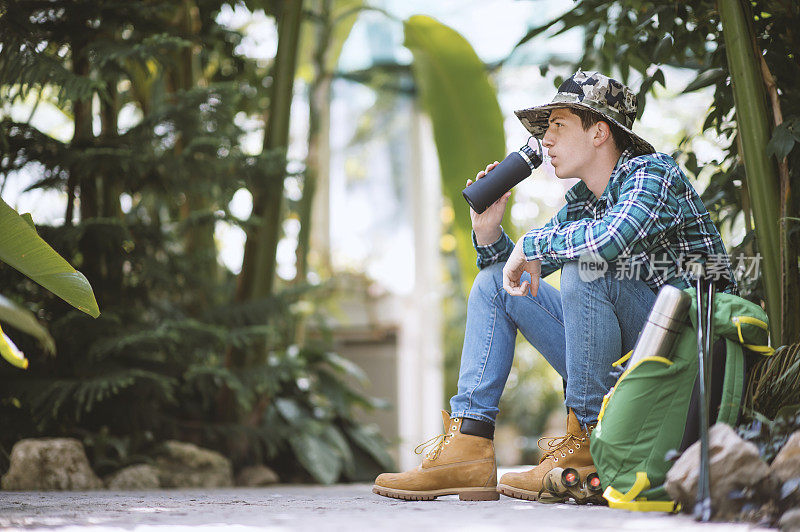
[50,464]
[255,476]
[136,477]
[786,465]
[736,469]
[790,521]
[185,465]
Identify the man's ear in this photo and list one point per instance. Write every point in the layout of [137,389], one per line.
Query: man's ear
[602,132]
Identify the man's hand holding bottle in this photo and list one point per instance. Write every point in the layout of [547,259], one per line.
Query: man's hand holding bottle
[487,231]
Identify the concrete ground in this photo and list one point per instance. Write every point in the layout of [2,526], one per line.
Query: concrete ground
[350,507]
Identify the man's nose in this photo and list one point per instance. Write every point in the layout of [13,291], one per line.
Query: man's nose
[547,140]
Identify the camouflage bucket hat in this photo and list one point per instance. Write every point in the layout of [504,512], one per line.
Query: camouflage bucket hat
[593,91]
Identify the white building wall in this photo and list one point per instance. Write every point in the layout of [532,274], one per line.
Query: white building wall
[421,382]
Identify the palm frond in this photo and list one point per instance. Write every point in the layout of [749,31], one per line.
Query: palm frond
[775,382]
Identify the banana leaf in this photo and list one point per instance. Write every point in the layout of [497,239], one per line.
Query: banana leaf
[24,250]
[25,321]
[343,15]
[461,101]
[10,352]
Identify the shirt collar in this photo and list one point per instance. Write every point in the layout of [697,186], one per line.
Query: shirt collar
[580,192]
[624,157]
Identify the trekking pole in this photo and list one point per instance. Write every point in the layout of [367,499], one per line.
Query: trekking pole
[705,296]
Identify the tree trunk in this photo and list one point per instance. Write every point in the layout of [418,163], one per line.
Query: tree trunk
[753,125]
[790,277]
[319,227]
[199,239]
[318,124]
[81,139]
[258,266]
[109,110]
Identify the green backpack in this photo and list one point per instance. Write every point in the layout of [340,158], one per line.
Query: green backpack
[652,409]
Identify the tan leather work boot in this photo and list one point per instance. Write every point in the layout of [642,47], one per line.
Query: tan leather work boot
[571,450]
[458,462]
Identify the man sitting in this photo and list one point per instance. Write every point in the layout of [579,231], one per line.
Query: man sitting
[633,211]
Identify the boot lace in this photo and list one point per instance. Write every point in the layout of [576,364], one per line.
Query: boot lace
[434,445]
[559,444]
[554,445]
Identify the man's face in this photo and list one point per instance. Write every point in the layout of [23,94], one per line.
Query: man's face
[570,147]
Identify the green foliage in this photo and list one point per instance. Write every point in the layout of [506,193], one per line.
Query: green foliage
[774,382]
[22,248]
[770,435]
[39,38]
[146,371]
[329,20]
[754,124]
[156,365]
[784,138]
[467,123]
[23,320]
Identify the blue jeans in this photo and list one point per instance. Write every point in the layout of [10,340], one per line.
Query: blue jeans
[579,330]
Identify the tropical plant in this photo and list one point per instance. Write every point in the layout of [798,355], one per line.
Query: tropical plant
[753,127]
[456,92]
[774,382]
[25,321]
[258,266]
[23,249]
[770,435]
[772,401]
[154,364]
[322,41]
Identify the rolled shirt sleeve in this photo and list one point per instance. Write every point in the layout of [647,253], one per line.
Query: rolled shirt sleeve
[645,207]
[501,249]
[497,251]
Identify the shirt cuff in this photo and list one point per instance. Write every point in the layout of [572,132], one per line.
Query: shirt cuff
[530,246]
[497,251]
[492,248]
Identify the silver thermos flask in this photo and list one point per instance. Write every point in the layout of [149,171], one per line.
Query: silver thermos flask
[664,324]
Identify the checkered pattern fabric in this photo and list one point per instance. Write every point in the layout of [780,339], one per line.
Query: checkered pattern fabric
[649,221]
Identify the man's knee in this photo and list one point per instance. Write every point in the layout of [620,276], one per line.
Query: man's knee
[488,281]
[570,278]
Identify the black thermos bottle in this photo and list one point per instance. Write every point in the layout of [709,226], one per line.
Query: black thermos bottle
[514,168]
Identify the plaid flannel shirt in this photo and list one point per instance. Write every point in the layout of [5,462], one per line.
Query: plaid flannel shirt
[648,222]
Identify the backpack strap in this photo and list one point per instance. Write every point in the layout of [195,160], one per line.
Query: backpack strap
[739,320]
[733,384]
[627,501]
[622,360]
